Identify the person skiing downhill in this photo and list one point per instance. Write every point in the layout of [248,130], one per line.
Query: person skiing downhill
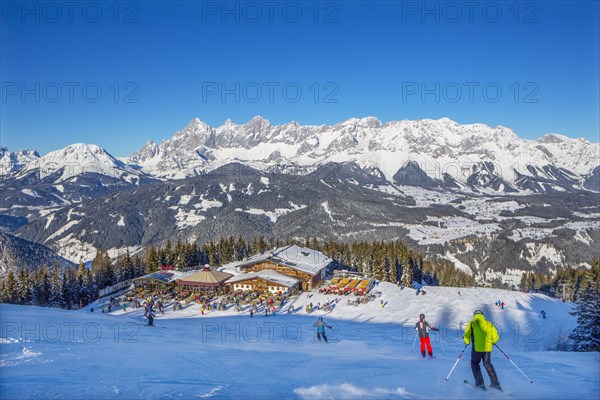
[149,314]
[320,324]
[421,328]
[483,335]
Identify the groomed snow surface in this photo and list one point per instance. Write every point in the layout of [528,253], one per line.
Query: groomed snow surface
[51,353]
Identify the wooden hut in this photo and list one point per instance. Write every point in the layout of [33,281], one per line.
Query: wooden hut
[268,280]
[306,265]
[203,280]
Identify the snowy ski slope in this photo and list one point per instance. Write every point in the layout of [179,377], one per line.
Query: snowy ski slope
[50,353]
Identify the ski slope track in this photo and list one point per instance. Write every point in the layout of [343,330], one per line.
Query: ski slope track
[50,353]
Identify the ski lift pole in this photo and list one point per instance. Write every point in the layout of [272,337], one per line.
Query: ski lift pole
[441,341]
[512,362]
[456,362]
[414,341]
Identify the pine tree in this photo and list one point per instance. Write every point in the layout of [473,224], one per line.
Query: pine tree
[213,254]
[204,254]
[240,249]
[40,288]
[230,250]
[391,264]
[56,288]
[191,255]
[178,254]
[168,254]
[24,286]
[314,244]
[586,336]
[9,289]
[418,269]
[118,270]
[103,270]
[378,258]
[407,271]
[152,259]
[262,244]
[128,268]
[69,288]
[139,269]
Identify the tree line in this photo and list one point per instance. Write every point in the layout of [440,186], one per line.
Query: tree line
[385,261]
[75,287]
[68,287]
[569,284]
[581,286]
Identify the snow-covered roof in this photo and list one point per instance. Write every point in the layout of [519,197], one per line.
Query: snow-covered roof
[205,278]
[268,275]
[296,257]
[231,267]
[166,276]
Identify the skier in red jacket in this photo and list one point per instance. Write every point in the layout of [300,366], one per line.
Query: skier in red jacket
[421,328]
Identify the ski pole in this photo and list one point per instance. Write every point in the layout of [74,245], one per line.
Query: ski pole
[456,362]
[414,341]
[512,362]
[442,342]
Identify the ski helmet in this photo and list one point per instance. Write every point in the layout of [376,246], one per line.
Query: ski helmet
[477,312]
[421,315]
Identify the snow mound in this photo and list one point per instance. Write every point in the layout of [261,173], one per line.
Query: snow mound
[349,391]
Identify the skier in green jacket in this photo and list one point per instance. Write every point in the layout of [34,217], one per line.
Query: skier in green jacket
[483,334]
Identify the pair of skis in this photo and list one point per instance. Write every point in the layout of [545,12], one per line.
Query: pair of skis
[483,389]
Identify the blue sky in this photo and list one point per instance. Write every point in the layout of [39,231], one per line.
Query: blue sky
[530,66]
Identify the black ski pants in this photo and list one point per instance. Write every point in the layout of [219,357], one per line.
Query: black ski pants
[476,358]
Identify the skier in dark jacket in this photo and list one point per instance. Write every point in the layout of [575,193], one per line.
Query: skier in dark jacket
[423,332]
[483,334]
[149,314]
[320,324]
[150,317]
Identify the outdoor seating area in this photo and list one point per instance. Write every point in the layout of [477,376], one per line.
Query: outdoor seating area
[347,286]
[257,298]
[210,298]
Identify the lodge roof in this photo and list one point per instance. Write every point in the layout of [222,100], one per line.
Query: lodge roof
[296,257]
[163,276]
[205,278]
[267,275]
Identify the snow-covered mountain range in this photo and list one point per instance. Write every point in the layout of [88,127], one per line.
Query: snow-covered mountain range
[469,193]
[428,153]
[74,160]
[10,162]
[423,153]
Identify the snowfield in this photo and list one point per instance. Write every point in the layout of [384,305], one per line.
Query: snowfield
[51,353]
